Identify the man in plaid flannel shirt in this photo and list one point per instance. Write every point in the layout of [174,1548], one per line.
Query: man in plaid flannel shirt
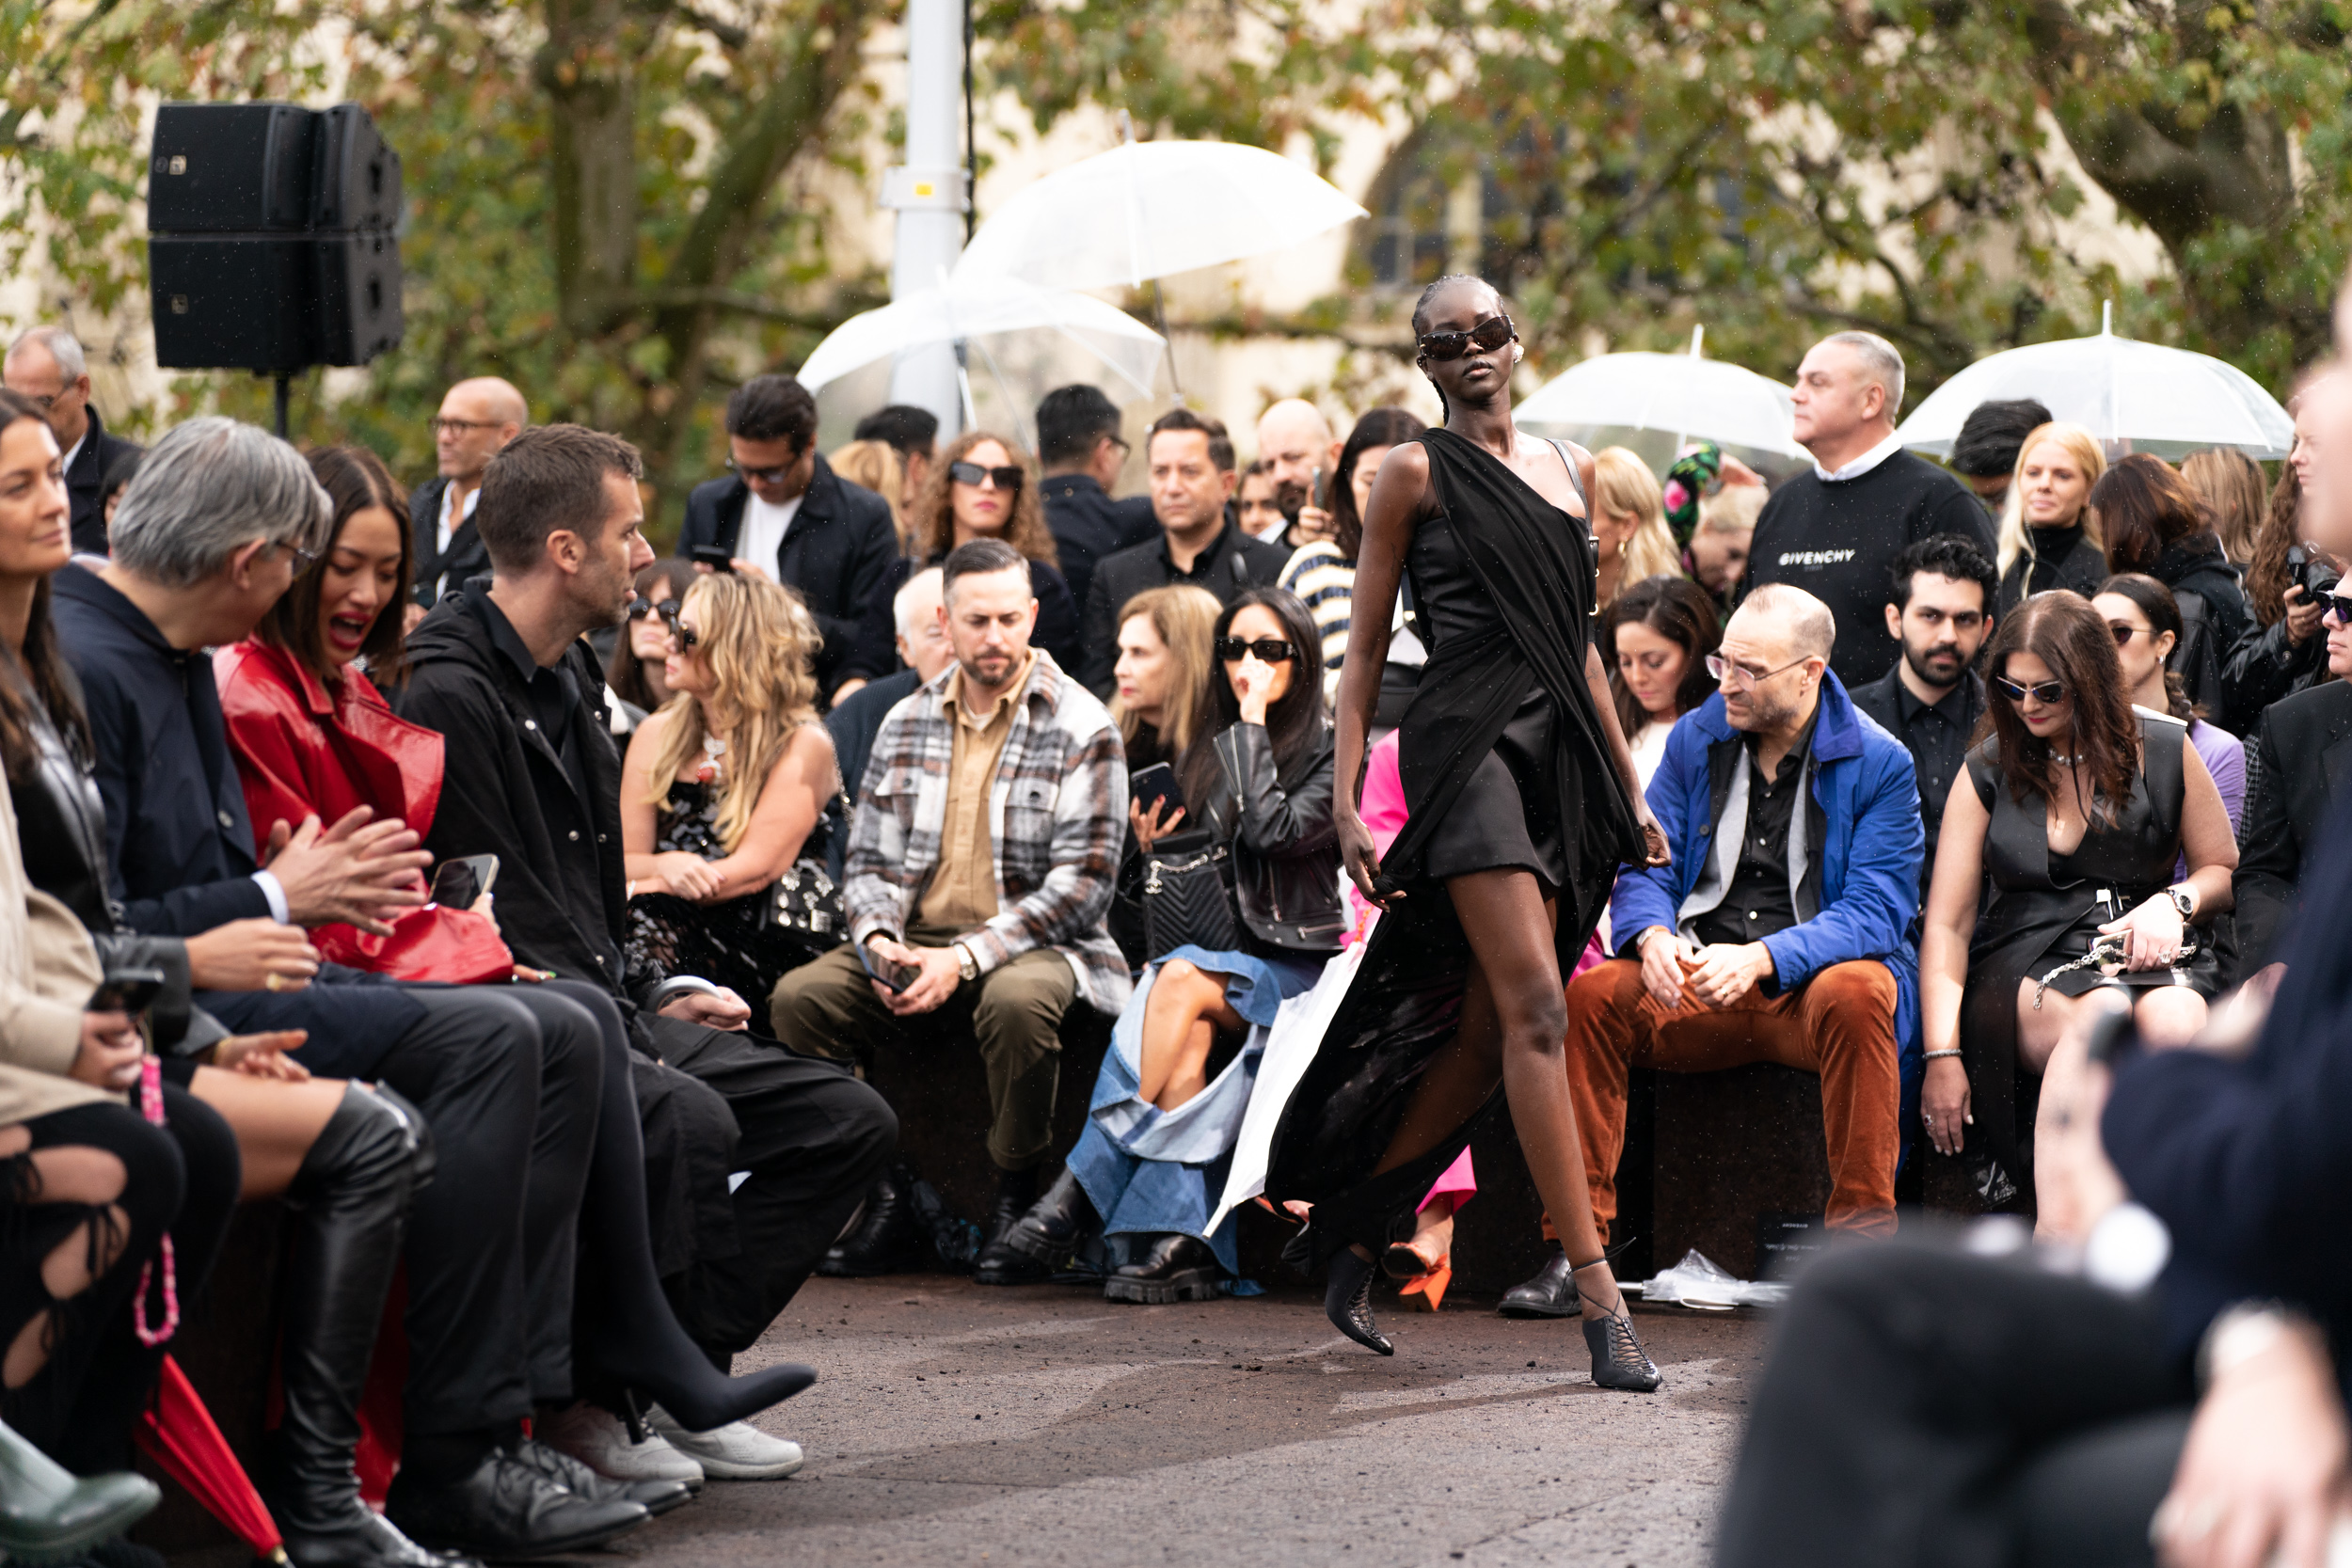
[982,857]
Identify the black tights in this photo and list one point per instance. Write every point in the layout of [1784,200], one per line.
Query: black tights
[182,1177]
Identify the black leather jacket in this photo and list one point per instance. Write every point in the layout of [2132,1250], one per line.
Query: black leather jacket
[1285,852]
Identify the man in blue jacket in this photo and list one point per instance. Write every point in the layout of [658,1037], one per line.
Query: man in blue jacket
[1778,932]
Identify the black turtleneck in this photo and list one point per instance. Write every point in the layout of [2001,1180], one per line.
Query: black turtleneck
[2059,558]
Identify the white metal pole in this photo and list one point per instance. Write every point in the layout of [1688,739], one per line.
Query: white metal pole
[931,195]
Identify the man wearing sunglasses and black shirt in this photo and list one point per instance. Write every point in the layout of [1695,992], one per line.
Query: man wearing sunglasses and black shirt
[786,515]
[1191,465]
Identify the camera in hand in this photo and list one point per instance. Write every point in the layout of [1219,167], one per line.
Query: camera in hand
[2311,571]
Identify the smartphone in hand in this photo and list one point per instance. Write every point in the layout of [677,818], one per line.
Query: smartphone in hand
[126,990]
[888,972]
[459,883]
[1151,786]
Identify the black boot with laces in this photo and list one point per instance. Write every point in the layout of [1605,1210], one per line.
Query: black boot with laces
[1618,1359]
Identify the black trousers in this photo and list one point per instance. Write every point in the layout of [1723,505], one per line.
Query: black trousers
[812,1137]
[508,1079]
[1924,1407]
[182,1177]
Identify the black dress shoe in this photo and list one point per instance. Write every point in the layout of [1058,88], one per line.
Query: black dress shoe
[1001,1265]
[654,1497]
[1174,1267]
[505,1511]
[1057,1225]
[1551,1295]
[1016,1189]
[890,1238]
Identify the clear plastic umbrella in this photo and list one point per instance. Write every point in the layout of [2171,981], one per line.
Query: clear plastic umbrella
[2165,401]
[1023,339]
[1682,393]
[1145,210]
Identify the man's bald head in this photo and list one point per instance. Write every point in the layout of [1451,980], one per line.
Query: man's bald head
[479,416]
[1792,618]
[1776,651]
[1295,439]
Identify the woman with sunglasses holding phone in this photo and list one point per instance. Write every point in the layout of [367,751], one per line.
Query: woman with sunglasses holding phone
[1523,800]
[1257,780]
[2079,810]
[978,489]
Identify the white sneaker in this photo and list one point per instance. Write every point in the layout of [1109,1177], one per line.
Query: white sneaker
[599,1439]
[735,1451]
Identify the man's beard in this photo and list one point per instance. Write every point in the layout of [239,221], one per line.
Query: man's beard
[1290,497]
[1918,663]
[1764,714]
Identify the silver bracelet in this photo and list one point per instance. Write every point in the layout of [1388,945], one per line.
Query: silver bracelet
[1933,1055]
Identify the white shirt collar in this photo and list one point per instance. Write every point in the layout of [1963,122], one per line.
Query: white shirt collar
[450,519]
[1862,465]
[74,450]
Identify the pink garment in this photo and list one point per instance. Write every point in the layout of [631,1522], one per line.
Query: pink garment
[1383,810]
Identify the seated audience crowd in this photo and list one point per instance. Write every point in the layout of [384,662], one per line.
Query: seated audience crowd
[549,988]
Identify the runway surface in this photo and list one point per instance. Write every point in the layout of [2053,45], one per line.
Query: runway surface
[1044,1425]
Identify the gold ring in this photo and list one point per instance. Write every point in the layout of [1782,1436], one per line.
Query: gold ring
[272,981]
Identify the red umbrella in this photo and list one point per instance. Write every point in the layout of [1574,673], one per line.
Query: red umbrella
[179,1433]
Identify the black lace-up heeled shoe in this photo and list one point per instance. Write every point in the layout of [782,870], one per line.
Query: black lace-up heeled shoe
[1618,1359]
[1348,1301]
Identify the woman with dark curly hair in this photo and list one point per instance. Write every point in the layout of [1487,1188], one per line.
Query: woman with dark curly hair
[2078,808]
[978,488]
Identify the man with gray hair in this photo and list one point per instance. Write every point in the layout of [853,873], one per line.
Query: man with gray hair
[219,520]
[1780,929]
[47,365]
[1835,532]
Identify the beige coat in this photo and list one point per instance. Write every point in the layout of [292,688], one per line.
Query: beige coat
[47,972]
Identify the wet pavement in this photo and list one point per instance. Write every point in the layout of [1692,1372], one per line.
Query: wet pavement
[1044,1425]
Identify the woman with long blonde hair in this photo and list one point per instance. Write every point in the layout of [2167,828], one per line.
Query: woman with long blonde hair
[725,790]
[2049,535]
[981,487]
[1628,524]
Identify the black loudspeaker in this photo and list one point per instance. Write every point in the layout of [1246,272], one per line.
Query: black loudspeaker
[272,242]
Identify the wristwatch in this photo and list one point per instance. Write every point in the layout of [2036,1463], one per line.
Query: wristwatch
[966,965]
[2182,900]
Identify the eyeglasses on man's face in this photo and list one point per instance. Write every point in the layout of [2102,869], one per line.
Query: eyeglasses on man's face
[444,425]
[764,476]
[1745,676]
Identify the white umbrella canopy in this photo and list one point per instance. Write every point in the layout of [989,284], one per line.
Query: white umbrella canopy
[1145,210]
[1680,394]
[1015,342]
[2165,401]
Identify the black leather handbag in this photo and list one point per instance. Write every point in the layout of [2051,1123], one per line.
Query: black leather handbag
[1185,903]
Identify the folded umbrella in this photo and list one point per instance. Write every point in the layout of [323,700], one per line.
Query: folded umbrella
[180,1434]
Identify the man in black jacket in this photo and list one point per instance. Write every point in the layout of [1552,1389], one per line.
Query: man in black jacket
[1079,449]
[1191,461]
[477,418]
[500,668]
[208,537]
[47,365]
[1835,532]
[2298,761]
[789,516]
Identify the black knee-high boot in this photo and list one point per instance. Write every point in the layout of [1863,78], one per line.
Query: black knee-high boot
[350,1201]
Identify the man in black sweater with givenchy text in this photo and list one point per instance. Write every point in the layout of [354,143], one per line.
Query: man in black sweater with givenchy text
[1835,532]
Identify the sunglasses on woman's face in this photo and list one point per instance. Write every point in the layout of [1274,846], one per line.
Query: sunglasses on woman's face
[643,609]
[1007,478]
[2124,631]
[1270,650]
[680,631]
[1487,336]
[2048,693]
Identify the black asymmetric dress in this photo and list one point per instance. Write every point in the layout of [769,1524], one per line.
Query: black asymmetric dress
[1504,761]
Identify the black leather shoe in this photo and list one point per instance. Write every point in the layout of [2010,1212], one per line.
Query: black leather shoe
[889,1239]
[1348,1301]
[1001,1265]
[654,1497]
[1057,1225]
[1016,1189]
[364,1539]
[505,1511]
[1174,1267]
[1551,1295]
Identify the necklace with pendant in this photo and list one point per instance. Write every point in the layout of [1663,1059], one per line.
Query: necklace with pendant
[714,748]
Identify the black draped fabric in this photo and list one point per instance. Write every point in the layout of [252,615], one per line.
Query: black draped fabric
[1521,577]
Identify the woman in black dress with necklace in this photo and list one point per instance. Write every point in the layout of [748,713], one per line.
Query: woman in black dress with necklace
[1523,801]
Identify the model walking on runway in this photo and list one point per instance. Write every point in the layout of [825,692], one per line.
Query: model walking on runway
[1524,801]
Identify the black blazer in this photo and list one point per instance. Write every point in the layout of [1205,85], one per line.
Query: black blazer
[85,483]
[2298,763]
[467,558]
[835,554]
[1229,568]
